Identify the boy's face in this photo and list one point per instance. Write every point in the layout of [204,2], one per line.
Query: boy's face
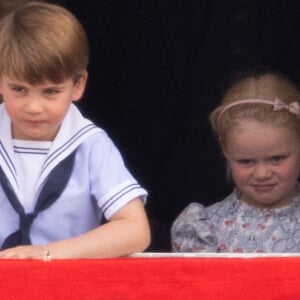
[36,111]
[264,162]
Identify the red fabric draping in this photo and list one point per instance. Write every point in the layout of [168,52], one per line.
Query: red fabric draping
[152,278]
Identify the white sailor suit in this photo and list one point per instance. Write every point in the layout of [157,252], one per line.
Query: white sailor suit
[82,179]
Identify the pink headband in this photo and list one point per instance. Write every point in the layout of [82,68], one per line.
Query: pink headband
[277,104]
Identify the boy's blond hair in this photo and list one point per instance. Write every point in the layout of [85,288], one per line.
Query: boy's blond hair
[7,6]
[42,42]
[267,86]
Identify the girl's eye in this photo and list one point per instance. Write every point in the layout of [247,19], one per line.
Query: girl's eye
[277,159]
[245,162]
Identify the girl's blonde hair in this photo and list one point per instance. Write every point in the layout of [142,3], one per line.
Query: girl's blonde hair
[268,86]
[41,41]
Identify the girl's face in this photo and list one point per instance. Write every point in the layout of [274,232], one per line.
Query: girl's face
[36,111]
[264,161]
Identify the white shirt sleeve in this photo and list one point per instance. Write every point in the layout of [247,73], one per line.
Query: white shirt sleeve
[112,184]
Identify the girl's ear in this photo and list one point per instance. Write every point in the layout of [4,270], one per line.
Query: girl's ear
[224,151]
[79,86]
[223,147]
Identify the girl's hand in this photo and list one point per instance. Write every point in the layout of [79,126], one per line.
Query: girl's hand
[26,252]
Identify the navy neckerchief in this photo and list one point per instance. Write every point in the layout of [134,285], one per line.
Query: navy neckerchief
[54,186]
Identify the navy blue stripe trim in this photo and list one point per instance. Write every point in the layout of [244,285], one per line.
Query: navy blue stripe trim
[31,150]
[8,161]
[24,152]
[71,141]
[119,195]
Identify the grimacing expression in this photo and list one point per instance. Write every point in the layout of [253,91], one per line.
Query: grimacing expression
[264,161]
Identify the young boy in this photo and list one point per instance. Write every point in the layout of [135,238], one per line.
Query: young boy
[7,6]
[59,173]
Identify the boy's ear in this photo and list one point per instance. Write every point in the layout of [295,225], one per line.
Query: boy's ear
[79,86]
[1,99]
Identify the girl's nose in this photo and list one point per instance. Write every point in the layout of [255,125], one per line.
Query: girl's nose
[262,171]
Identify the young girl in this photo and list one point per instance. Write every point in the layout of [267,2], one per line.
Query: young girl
[258,128]
[64,189]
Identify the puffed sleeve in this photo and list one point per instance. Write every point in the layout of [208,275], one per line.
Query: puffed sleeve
[193,231]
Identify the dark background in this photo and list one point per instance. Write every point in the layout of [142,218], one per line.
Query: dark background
[155,73]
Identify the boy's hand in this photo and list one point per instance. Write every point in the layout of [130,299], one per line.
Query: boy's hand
[26,252]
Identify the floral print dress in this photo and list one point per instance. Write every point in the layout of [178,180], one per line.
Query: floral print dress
[233,226]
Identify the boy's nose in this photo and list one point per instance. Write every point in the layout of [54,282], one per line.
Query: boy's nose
[34,106]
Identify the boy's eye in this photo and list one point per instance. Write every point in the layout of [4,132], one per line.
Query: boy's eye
[18,88]
[51,91]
